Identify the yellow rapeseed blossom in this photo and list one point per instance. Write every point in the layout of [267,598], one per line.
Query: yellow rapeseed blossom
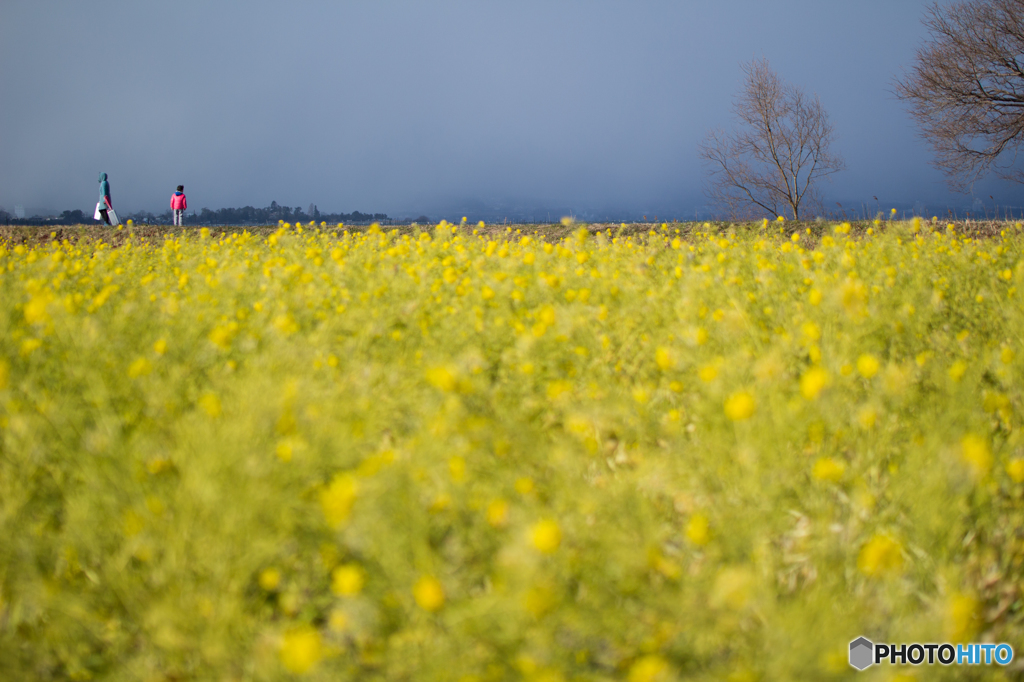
[867,365]
[497,513]
[270,579]
[867,417]
[698,530]
[1015,470]
[747,409]
[976,454]
[210,404]
[347,580]
[881,555]
[664,358]
[428,593]
[35,310]
[829,469]
[546,536]
[813,382]
[139,367]
[442,378]
[301,649]
[740,406]
[962,618]
[649,668]
[337,499]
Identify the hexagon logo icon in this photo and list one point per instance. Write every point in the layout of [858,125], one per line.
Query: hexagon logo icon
[861,653]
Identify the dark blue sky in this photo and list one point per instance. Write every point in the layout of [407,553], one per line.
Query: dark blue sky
[410,107]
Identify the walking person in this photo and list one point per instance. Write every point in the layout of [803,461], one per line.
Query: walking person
[179,204]
[104,205]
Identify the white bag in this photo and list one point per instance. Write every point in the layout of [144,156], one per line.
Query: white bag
[97,215]
[113,217]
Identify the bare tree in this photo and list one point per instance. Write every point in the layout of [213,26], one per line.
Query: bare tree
[966,89]
[773,162]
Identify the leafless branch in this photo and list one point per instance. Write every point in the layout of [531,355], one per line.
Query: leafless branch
[773,162]
[966,89]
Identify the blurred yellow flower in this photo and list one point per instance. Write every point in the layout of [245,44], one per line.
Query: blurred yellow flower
[338,621]
[301,649]
[1015,470]
[139,367]
[337,499]
[813,382]
[347,580]
[828,469]
[879,556]
[210,404]
[284,450]
[740,406]
[442,378]
[698,530]
[35,310]
[497,513]
[428,593]
[976,454]
[962,618]
[538,600]
[546,536]
[867,365]
[557,389]
[524,485]
[867,417]
[269,579]
[649,668]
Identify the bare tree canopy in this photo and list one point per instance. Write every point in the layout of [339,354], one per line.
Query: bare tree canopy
[966,89]
[773,162]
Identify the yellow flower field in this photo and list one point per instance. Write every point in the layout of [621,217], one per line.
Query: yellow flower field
[695,452]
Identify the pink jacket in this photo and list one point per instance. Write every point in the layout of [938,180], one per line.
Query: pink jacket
[178,202]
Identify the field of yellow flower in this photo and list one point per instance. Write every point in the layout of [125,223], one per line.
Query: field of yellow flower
[694,452]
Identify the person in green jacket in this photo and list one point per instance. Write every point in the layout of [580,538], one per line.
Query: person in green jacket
[105,204]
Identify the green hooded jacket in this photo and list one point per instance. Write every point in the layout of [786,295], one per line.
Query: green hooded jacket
[104,188]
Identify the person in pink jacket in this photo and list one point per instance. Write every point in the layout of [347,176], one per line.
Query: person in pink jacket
[179,204]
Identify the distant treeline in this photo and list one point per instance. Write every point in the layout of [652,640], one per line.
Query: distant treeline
[249,215]
[246,215]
